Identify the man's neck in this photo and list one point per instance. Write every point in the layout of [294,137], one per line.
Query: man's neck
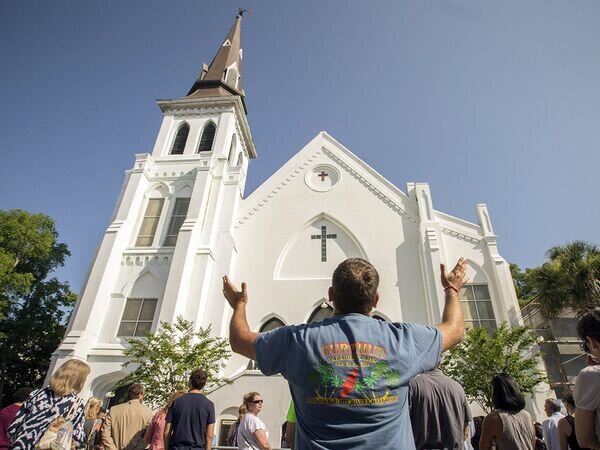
[337,312]
[195,391]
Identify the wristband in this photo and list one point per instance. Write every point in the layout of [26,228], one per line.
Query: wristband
[451,286]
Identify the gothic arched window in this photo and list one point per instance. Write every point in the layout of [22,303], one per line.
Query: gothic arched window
[322,312]
[477,307]
[208,136]
[240,159]
[180,139]
[271,324]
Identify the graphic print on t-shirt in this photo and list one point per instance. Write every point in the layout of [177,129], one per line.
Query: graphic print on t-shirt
[353,374]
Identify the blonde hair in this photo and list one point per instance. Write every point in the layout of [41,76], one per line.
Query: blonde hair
[69,378]
[92,407]
[174,396]
[248,398]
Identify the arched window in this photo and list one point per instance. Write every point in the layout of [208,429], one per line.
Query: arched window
[232,149]
[208,136]
[240,159]
[322,312]
[271,324]
[180,139]
[477,307]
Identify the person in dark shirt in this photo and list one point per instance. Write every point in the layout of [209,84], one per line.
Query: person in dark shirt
[190,422]
[8,414]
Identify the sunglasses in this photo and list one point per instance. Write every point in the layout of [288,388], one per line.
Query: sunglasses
[255,401]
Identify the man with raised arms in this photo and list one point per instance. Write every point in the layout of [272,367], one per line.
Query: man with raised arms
[348,374]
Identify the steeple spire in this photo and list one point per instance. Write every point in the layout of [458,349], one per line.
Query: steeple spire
[224,75]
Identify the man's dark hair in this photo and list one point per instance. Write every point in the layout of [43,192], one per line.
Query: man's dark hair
[198,379]
[134,391]
[355,282]
[568,398]
[589,325]
[506,395]
[22,394]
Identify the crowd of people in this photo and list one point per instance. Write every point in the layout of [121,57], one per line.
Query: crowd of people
[389,393]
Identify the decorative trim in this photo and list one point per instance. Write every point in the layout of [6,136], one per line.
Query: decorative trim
[387,201]
[278,188]
[140,257]
[462,236]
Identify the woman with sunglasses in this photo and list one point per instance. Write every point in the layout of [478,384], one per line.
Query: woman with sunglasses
[252,432]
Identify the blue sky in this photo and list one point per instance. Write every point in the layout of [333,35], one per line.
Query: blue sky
[488,101]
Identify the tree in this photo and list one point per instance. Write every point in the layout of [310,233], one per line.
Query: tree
[522,288]
[166,358]
[570,279]
[480,356]
[33,307]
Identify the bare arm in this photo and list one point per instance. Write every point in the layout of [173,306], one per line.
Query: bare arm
[491,427]
[208,439]
[261,438]
[584,428]
[167,435]
[290,434]
[452,326]
[564,431]
[242,340]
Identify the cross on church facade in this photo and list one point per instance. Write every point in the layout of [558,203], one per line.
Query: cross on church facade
[323,175]
[323,237]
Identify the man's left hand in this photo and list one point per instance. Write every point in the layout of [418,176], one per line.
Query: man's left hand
[234,297]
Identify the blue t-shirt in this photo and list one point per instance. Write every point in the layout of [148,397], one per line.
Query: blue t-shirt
[349,376]
[189,416]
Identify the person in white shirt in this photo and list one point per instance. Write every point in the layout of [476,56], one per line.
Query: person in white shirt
[587,386]
[552,409]
[252,432]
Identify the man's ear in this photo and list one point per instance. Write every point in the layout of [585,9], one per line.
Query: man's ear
[375,300]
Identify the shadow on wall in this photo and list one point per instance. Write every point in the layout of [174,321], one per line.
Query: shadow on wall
[410,281]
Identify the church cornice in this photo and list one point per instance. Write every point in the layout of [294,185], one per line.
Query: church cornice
[385,199]
[460,235]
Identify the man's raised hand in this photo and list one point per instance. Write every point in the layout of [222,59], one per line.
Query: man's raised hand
[234,297]
[457,277]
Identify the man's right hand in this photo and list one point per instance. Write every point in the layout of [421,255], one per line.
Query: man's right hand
[233,296]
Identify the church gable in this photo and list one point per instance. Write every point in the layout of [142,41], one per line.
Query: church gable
[323,164]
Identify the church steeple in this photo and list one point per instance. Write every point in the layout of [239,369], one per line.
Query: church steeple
[224,75]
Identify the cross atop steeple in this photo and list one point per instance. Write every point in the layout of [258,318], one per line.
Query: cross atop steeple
[223,77]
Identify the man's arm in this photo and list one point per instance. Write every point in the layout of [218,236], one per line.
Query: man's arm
[452,326]
[167,435]
[208,438]
[107,440]
[564,431]
[584,428]
[242,340]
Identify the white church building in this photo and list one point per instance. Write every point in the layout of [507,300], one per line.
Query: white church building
[182,221]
